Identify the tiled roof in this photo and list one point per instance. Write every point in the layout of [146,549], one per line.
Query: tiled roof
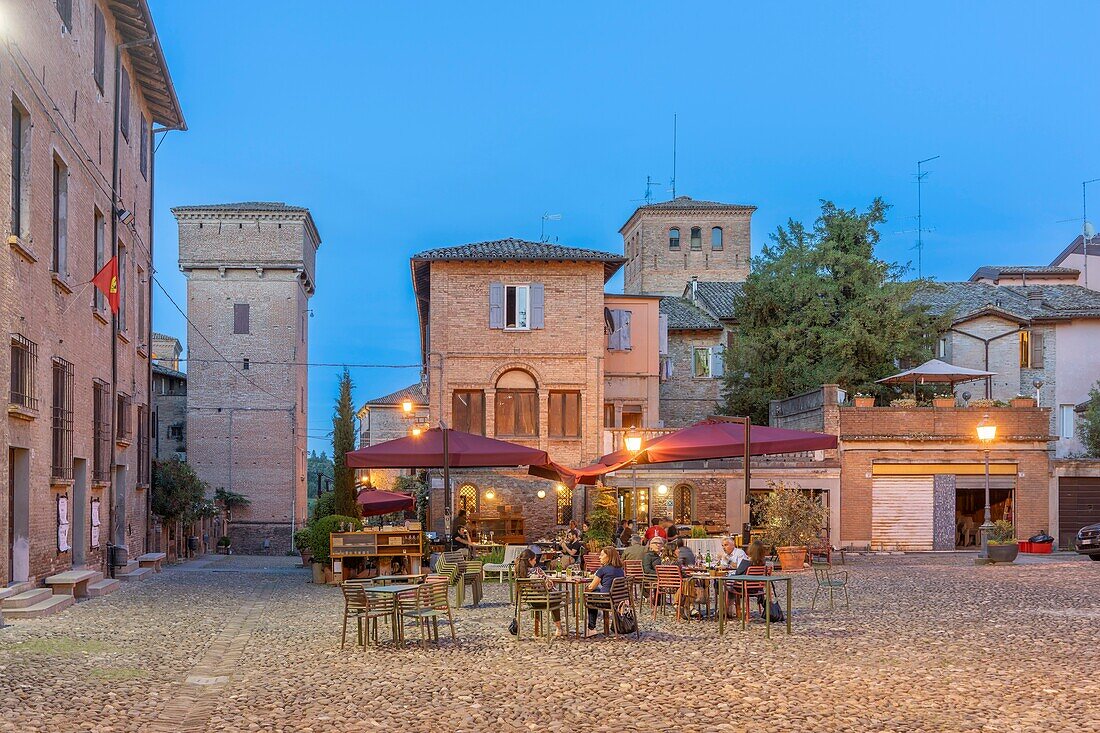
[159,368]
[134,23]
[418,393]
[245,206]
[166,337]
[684,316]
[995,271]
[1051,302]
[717,298]
[517,249]
[681,203]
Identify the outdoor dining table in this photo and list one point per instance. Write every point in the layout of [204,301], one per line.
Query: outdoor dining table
[575,585]
[392,589]
[744,580]
[405,578]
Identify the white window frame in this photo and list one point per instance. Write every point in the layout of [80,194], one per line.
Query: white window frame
[941,347]
[695,362]
[1066,421]
[525,289]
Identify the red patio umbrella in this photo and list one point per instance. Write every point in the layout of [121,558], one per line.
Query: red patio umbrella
[374,502]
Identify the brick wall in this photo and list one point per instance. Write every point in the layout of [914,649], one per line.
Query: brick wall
[654,269]
[684,398]
[48,72]
[947,436]
[169,411]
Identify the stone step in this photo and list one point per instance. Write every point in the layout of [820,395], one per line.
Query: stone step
[136,574]
[48,607]
[17,588]
[103,587]
[25,599]
[128,568]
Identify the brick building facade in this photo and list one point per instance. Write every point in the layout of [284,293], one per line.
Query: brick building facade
[78,179]
[250,274]
[169,418]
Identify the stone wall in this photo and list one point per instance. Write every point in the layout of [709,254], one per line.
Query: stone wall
[684,398]
[169,411]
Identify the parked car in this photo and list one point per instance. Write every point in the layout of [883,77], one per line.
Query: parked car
[1088,541]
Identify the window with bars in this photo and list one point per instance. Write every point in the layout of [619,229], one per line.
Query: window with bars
[564,514]
[123,420]
[24,362]
[61,463]
[142,445]
[682,504]
[468,498]
[101,431]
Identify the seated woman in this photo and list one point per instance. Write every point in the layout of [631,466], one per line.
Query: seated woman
[527,566]
[685,557]
[754,558]
[611,567]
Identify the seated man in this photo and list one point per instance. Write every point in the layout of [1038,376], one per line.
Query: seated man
[731,556]
[636,550]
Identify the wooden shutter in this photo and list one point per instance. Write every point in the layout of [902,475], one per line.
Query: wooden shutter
[240,318]
[506,412]
[496,305]
[1036,357]
[572,414]
[624,330]
[527,413]
[614,338]
[538,296]
[717,361]
[100,47]
[557,410]
[662,334]
[124,106]
[901,513]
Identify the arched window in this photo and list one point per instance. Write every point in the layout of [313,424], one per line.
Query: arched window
[674,238]
[517,408]
[682,504]
[468,498]
[696,238]
[716,238]
[564,513]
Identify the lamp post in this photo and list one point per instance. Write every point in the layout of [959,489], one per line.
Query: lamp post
[987,433]
[633,443]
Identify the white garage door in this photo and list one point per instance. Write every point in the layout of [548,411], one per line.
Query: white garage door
[901,513]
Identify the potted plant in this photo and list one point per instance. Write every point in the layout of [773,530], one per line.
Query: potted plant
[982,402]
[792,521]
[223,545]
[1021,400]
[864,400]
[944,400]
[904,402]
[1002,542]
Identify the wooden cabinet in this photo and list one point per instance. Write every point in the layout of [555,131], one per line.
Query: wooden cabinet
[382,544]
[506,527]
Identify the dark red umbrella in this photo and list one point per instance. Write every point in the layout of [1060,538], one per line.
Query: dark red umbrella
[373,502]
[709,439]
[436,448]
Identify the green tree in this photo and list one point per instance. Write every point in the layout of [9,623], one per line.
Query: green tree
[318,464]
[343,441]
[821,308]
[177,493]
[230,500]
[1088,423]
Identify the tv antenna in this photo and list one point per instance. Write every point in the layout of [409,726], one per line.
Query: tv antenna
[920,230]
[545,218]
[649,184]
[673,181]
[1088,231]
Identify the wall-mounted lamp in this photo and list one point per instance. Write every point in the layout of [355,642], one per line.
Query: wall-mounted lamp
[541,494]
[125,216]
[490,495]
[406,406]
[662,490]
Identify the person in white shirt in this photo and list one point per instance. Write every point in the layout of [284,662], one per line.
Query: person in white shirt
[732,554]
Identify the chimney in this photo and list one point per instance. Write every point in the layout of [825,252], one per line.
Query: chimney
[1035,298]
[694,287]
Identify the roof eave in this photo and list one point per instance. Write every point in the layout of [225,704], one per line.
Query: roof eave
[168,112]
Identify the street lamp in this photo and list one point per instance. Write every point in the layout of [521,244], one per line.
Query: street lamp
[406,406]
[633,443]
[987,433]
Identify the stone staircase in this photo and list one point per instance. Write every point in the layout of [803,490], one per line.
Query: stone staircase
[134,571]
[27,600]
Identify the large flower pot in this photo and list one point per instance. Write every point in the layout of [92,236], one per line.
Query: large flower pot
[307,555]
[864,401]
[791,559]
[1022,402]
[1004,553]
[943,402]
[318,572]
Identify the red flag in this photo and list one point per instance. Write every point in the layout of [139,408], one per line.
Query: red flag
[107,282]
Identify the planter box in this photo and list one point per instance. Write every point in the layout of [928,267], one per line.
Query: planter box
[1003,553]
[864,401]
[1036,548]
[943,402]
[1022,402]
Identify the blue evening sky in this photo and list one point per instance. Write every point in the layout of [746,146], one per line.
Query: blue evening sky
[405,126]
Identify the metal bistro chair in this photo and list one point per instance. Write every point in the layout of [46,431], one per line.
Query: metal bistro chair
[611,604]
[591,562]
[469,574]
[355,606]
[427,605]
[830,580]
[669,583]
[743,592]
[533,595]
[637,578]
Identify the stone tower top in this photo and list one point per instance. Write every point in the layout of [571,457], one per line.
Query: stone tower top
[668,243]
[263,235]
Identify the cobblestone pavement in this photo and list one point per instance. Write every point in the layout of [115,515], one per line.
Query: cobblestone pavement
[931,643]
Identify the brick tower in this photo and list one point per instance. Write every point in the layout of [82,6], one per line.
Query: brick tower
[668,243]
[250,274]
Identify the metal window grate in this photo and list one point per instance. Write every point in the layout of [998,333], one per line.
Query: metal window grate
[565,505]
[61,463]
[101,431]
[24,362]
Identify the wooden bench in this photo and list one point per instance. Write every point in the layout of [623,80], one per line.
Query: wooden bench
[151,560]
[73,582]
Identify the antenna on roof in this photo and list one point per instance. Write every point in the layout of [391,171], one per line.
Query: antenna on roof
[920,230]
[673,182]
[1088,231]
[545,218]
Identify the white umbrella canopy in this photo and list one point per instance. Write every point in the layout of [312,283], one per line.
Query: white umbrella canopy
[939,372]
